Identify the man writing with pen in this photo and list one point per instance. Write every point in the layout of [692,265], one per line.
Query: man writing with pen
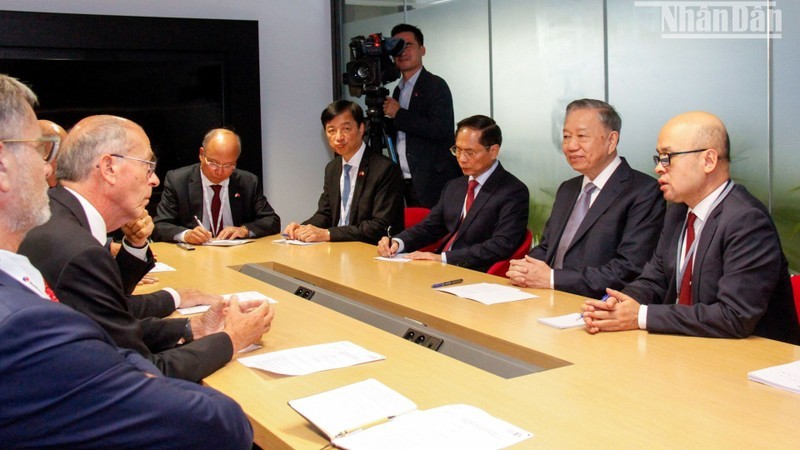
[481,217]
[213,199]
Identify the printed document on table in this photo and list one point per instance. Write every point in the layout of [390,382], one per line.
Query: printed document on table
[293,242]
[161,267]
[449,426]
[572,320]
[243,296]
[785,376]
[400,257]
[488,293]
[311,359]
[227,242]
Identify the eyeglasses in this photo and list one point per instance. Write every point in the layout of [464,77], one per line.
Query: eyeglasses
[664,158]
[457,152]
[47,148]
[151,165]
[216,165]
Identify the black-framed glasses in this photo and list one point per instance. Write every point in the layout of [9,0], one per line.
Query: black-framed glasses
[216,165]
[457,152]
[47,148]
[664,158]
[151,165]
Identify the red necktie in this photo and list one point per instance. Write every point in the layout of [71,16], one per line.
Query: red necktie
[468,204]
[685,297]
[216,205]
[50,292]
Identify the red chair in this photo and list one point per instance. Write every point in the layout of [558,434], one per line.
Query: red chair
[413,215]
[501,267]
[796,289]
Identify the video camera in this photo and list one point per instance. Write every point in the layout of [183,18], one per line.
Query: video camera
[371,65]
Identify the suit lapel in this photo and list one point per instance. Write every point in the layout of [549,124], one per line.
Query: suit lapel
[361,176]
[335,193]
[196,194]
[617,184]
[560,215]
[234,198]
[485,193]
[70,205]
[706,235]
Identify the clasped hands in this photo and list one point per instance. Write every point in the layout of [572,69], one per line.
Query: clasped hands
[245,322]
[199,235]
[307,233]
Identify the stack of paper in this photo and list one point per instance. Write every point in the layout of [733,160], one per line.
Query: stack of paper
[786,376]
[313,358]
[573,320]
[488,293]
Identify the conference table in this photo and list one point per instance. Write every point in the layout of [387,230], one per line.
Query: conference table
[623,390]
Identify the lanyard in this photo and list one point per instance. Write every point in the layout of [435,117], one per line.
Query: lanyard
[680,269]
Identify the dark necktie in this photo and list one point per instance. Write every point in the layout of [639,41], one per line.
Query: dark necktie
[467,205]
[216,206]
[685,297]
[574,221]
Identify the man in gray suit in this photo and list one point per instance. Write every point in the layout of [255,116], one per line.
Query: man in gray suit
[718,269]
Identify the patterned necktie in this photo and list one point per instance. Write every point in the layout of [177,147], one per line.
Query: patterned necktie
[346,194]
[574,221]
[216,206]
[685,297]
[50,292]
[467,205]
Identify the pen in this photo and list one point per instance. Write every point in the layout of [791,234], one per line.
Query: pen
[389,232]
[365,426]
[199,223]
[605,297]
[446,283]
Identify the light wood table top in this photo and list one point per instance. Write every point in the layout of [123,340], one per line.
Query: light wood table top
[622,390]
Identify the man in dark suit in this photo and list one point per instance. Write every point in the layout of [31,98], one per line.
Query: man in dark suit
[599,239]
[106,174]
[421,113]
[718,270]
[228,202]
[362,191]
[481,217]
[65,384]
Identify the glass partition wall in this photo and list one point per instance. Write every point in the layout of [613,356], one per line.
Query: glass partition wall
[523,61]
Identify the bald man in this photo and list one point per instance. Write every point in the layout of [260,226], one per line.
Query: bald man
[718,269]
[50,128]
[213,199]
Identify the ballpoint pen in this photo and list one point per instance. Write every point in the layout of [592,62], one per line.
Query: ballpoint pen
[605,297]
[446,283]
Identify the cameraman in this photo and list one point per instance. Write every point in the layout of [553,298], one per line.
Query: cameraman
[422,112]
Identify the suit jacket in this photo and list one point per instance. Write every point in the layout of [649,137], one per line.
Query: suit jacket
[740,281]
[182,200]
[492,230]
[85,276]
[428,123]
[377,200]
[66,385]
[615,239]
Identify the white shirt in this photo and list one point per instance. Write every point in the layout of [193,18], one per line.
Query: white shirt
[406,88]
[20,268]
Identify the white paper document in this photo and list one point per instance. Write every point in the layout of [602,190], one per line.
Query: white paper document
[572,320]
[311,359]
[293,242]
[243,296]
[488,293]
[400,257]
[161,267]
[227,242]
[785,376]
[370,415]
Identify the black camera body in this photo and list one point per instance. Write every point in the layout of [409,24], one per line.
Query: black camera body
[371,65]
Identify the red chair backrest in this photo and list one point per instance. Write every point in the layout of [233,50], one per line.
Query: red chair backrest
[796,290]
[501,267]
[414,215]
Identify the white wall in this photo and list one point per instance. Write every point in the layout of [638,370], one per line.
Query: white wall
[295,66]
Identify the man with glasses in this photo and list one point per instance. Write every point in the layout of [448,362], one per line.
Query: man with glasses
[213,199]
[481,218]
[605,223]
[65,384]
[361,192]
[106,173]
[718,270]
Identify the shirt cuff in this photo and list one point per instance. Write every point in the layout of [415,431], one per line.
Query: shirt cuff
[176,297]
[444,258]
[400,245]
[552,279]
[180,237]
[643,317]
[140,253]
